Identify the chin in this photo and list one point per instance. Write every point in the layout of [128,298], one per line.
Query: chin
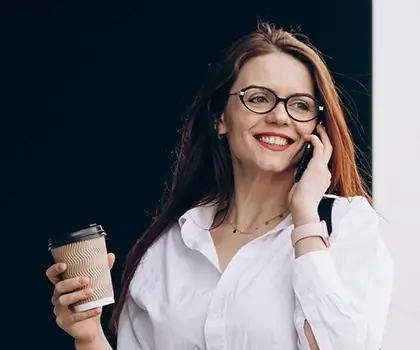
[274,167]
[261,160]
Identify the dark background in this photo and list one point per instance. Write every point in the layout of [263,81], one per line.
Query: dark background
[92,101]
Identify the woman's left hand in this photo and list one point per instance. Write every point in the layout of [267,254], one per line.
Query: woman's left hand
[305,195]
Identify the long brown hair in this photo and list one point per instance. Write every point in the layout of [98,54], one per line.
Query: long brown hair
[203,169]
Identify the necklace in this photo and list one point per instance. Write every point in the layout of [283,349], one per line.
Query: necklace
[235,229]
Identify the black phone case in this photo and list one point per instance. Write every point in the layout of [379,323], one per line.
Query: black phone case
[306,157]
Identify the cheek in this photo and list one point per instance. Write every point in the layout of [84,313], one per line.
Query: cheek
[239,133]
[240,122]
[305,129]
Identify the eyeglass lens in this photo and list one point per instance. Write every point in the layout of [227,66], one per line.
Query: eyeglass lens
[260,100]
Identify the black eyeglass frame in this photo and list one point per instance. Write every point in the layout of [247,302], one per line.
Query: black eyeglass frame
[241,94]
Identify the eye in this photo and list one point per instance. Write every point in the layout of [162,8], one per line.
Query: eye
[301,105]
[258,99]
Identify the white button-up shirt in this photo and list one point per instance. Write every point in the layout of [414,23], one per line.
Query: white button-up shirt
[180,300]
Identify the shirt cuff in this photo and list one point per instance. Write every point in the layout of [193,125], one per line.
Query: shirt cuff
[315,276]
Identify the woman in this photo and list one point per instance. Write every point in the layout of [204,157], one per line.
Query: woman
[237,257]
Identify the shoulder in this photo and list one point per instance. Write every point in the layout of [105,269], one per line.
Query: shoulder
[351,206]
[172,248]
[358,227]
[357,235]
[354,215]
[153,261]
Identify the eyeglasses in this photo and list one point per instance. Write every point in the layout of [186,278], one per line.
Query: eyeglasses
[261,100]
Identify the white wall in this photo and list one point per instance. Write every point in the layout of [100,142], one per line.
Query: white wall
[396,157]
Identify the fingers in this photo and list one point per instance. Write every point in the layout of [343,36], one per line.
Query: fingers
[81,316]
[65,300]
[321,144]
[76,317]
[54,271]
[68,286]
[67,293]
[70,291]
[317,146]
[328,148]
[111,260]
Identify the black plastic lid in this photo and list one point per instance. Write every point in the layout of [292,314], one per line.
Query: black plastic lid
[93,231]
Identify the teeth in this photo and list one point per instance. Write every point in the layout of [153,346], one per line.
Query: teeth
[274,140]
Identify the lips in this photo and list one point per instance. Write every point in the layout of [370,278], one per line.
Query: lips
[274,141]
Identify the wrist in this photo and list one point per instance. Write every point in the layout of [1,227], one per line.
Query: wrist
[304,218]
[308,237]
[99,342]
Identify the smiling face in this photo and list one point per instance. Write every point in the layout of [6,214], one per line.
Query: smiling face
[268,142]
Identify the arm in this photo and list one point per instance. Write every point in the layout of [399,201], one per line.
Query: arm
[100,343]
[132,318]
[343,292]
[135,329]
[303,247]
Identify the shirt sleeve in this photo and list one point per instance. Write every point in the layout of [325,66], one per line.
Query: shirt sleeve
[135,329]
[344,291]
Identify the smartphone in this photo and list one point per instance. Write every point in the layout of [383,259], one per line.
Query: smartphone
[306,157]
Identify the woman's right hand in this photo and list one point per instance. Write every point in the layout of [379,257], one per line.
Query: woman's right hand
[84,327]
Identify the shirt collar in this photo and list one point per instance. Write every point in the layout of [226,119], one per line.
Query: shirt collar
[202,216]
[194,222]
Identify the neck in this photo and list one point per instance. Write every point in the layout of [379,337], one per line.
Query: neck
[259,197]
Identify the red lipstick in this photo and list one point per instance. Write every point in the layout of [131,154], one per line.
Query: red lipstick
[273,147]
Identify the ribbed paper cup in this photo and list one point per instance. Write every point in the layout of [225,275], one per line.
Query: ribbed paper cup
[85,254]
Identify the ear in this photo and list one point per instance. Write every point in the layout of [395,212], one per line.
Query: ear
[220,126]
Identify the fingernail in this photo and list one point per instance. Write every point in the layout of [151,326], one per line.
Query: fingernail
[61,267]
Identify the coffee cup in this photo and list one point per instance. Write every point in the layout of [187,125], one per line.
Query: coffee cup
[85,254]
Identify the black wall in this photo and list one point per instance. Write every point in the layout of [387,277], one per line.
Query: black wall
[93,98]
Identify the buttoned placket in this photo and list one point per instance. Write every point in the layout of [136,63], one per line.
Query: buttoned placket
[215,324]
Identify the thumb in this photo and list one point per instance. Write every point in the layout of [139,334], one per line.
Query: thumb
[111,260]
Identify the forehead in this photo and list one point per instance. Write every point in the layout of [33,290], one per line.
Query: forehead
[278,71]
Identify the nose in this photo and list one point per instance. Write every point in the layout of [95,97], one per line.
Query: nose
[278,115]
